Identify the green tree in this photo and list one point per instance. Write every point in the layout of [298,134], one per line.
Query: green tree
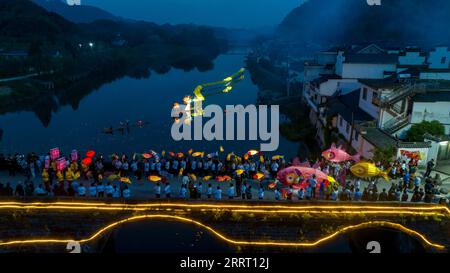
[417,131]
[383,154]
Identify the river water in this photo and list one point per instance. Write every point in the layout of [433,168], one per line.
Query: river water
[148,99]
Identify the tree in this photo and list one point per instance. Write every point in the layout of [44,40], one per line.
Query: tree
[383,154]
[417,131]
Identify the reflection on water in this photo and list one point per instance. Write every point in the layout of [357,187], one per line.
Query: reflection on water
[175,237]
[76,119]
[164,237]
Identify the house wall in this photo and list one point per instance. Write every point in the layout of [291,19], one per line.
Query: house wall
[329,87]
[422,151]
[326,58]
[412,58]
[363,147]
[342,127]
[439,111]
[366,104]
[436,57]
[435,75]
[366,71]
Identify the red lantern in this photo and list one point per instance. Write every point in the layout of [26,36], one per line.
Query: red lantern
[90,154]
[87,161]
[147,156]
[54,153]
[74,155]
[61,164]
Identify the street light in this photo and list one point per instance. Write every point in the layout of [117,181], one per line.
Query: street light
[91,44]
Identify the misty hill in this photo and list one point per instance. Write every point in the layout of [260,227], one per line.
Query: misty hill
[76,14]
[395,22]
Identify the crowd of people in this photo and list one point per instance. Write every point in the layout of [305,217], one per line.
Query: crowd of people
[205,177]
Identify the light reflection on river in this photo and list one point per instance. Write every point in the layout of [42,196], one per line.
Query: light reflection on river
[149,100]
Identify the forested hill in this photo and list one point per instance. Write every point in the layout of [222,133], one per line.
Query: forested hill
[76,14]
[24,21]
[395,22]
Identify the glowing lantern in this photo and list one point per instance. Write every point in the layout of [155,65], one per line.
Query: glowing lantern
[61,164]
[54,153]
[74,155]
[87,161]
[90,154]
[146,156]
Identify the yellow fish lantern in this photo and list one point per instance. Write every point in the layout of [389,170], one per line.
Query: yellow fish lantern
[239,172]
[206,178]
[366,169]
[125,180]
[193,177]
[198,154]
[154,178]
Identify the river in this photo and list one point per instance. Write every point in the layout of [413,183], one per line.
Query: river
[149,99]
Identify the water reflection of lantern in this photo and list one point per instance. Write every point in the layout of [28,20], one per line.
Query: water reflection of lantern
[74,155]
[87,161]
[61,164]
[90,154]
[54,153]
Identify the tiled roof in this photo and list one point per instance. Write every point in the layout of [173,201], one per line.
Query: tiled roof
[432,96]
[371,58]
[347,106]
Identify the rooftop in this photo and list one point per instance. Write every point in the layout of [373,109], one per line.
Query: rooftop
[347,106]
[387,83]
[377,137]
[433,96]
[371,58]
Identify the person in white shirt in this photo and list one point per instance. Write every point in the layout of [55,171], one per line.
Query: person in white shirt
[231,192]
[243,190]
[199,190]
[126,192]
[334,195]
[183,192]
[157,190]
[185,180]
[109,190]
[277,194]
[39,191]
[209,191]
[260,193]
[218,193]
[116,192]
[92,190]
[81,190]
[167,190]
[100,190]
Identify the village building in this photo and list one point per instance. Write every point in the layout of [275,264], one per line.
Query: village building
[369,97]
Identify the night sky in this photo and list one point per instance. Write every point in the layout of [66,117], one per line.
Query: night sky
[228,13]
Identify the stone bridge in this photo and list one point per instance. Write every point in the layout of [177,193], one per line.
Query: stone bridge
[48,225]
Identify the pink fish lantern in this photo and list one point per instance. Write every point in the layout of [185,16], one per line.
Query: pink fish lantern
[74,155]
[337,154]
[54,153]
[61,164]
[47,162]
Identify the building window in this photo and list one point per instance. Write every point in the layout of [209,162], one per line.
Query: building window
[375,100]
[443,60]
[347,128]
[364,93]
[341,121]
